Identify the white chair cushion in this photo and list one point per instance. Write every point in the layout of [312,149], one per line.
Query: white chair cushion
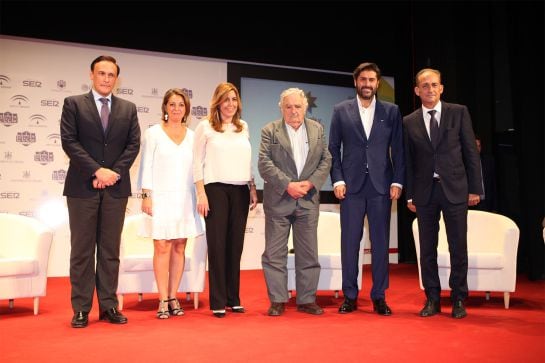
[493,261]
[18,267]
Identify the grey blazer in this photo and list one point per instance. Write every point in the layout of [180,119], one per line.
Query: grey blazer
[277,167]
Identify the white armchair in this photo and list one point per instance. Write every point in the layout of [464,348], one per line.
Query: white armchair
[492,241]
[24,255]
[136,264]
[329,255]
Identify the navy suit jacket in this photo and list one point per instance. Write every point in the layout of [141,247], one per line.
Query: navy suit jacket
[90,148]
[381,152]
[456,157]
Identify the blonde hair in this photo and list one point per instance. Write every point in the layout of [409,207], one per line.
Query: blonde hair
[220,94]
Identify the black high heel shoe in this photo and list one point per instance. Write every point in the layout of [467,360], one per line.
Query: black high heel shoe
[238,309]
[219,313]
[162,312]
[174,307]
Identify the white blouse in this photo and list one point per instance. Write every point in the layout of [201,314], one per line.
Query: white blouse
[222,157]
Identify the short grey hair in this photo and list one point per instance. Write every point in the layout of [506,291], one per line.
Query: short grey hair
[291,91]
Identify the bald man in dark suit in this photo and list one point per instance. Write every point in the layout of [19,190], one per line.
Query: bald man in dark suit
[443,176]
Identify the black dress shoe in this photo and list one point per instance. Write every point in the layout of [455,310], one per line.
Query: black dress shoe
[458,310]
[431,308]
[276,309]
[113,316]
[237,309]
[381,307]
[348,306]
[80,319]
[310,308]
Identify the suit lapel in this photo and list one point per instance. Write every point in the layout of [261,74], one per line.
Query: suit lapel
[445,119]
[312,136]
[378,118]
[354,112]
[421,127]
[92,108]
[282,137]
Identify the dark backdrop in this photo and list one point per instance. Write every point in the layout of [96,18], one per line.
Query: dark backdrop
[490,55]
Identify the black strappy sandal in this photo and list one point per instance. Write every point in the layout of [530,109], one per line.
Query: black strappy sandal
[174,307]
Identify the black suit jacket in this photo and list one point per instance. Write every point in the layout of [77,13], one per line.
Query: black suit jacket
[456,157]
[90,148]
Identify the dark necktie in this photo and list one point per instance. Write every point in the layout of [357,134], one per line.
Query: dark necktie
[104,112]
[434,129]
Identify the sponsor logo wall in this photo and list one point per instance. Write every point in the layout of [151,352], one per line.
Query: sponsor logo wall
[35,77]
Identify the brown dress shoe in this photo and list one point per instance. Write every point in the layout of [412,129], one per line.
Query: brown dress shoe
[310,308]
[276,309]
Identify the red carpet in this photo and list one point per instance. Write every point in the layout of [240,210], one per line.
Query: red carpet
[489,333]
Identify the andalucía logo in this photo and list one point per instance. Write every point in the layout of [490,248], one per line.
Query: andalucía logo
[20,101]
[4,81]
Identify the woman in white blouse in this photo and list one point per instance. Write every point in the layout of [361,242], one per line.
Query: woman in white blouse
[168,196]
[225,188]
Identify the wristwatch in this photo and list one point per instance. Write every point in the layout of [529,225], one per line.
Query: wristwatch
[146,195]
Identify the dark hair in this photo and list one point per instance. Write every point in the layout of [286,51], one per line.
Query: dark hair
[366,67]
[106,58]
[178,92]
[425,70]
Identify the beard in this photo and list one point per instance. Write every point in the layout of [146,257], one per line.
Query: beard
[366,96]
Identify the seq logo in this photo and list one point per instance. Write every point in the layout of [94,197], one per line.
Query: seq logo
[124,91]
[4,81]
[49,103]
[10,195]
[20,101]
[32,83]
[142,109]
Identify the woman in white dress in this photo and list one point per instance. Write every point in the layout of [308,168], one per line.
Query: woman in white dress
[168,197]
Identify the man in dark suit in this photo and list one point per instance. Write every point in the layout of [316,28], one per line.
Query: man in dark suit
[294,163]
[101,136]
[489,198]
[366,178]
[443,176]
